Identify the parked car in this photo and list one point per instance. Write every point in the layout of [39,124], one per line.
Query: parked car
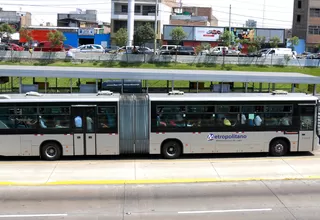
[67,47]
[4,46]
[15,47]
[46,46]
[307,55]
[181,50]
[89,48]
[32,45]
[164,49]
[145,50]
[112,49]
[127,49]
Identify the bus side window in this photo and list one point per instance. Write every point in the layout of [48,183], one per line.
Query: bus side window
[307,118]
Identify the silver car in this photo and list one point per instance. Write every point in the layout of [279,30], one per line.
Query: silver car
[89,48]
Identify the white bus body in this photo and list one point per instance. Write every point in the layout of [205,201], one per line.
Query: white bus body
[171,125]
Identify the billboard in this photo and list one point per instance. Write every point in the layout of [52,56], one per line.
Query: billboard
[187,29]
[207,33]
[14,25]
[243,33]
[270,33]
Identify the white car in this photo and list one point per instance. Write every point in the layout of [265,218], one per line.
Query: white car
[89,48]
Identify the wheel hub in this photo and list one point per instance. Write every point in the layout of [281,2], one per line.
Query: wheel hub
[279,148]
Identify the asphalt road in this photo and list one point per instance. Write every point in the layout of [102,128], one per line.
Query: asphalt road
[235,200]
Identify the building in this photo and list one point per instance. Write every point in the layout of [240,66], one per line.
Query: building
[251,23]
[193,16]
[74,36]
[144,12]
[16,19]
[79,18]
[306,22]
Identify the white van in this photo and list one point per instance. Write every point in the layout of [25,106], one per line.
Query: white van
[278,52]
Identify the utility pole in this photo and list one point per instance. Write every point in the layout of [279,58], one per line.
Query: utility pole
[264,8]
[130,22]
[156,28]
[230,24]
[230,18]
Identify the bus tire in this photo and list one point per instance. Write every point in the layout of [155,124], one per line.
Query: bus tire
[50,151]
[279,147]
[171,149]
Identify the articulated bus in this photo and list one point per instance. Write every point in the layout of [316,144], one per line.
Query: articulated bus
[56,125]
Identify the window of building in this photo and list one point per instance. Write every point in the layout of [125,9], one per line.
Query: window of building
[137,9]
[299,4]
[124,8]
[148,9]
[298,18]
[314,30]
[314,12]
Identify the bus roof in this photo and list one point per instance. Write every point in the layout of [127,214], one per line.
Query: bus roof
[93,97]
[233,97]
[74,97]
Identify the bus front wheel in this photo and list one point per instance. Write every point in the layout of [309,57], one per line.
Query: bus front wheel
[279,147]
[51,151]
[171,149]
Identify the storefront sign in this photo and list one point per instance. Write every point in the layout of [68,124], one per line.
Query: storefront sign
[207,33]
[86,32]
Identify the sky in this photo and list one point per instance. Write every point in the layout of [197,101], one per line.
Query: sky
[267,13]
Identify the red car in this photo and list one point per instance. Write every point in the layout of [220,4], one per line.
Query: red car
[15,47]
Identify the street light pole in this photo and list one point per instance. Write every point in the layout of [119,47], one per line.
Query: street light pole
[156,28]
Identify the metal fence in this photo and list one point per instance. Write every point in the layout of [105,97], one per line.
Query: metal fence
[150,58]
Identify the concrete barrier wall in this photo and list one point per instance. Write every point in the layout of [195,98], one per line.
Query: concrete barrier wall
[136,58]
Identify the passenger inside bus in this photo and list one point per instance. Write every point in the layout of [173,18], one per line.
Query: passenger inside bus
[42,122]
[257,120]
[78,122]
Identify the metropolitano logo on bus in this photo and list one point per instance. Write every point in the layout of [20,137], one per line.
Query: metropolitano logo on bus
[227,137]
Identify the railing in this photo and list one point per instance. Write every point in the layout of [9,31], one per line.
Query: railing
[150,58]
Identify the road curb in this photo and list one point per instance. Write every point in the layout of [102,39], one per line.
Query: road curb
[159,181]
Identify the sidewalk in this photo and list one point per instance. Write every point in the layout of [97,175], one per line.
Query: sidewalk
[158,171]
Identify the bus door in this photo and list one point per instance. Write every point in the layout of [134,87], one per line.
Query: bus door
[84,127]
[307,127]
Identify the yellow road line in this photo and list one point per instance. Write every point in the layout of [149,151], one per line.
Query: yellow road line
[159,181]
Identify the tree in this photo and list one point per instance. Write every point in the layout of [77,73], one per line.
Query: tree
[121,37]
[294,41]
[178,34]
[26,34]
[259,41]
[56,38]
[6,30]
[143,34]
[226,38]
[274,42]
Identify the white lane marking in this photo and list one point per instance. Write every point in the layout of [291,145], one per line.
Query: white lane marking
[33,215]
[224,211]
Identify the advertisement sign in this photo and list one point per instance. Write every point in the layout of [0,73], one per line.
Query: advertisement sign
[187,29]
[15,26]
[207,33]
[270,33]
[243,33]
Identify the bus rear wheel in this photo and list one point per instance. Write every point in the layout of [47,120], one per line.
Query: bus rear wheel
[171,150]
[51,151]
[278,148]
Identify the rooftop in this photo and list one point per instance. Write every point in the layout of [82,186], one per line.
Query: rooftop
[157,74]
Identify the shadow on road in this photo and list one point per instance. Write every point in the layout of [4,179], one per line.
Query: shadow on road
[158,157]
